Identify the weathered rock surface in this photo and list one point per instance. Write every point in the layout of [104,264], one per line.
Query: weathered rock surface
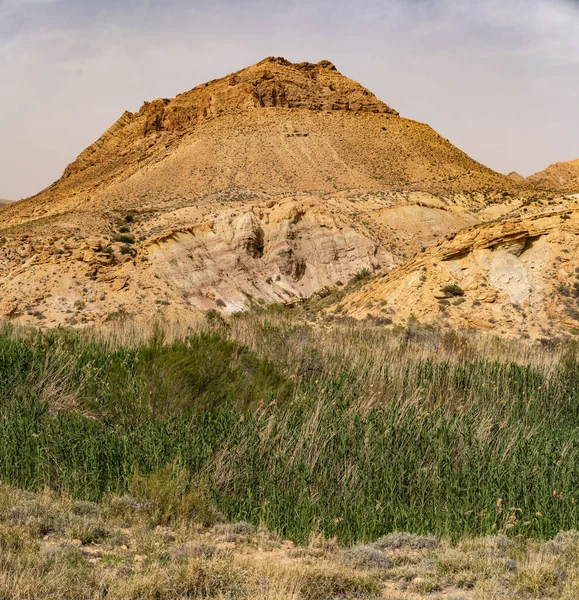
[517,277]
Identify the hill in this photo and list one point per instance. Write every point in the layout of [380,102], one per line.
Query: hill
[559,176]
[516,176]
[265,185]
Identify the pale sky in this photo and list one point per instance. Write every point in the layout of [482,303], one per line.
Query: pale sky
[499,78]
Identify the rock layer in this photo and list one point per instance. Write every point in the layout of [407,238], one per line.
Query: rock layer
[517,277]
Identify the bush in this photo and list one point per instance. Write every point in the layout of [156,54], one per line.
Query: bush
[322,584]
[166,496]
[453,290]
[397,540]
[361,275]
[366,557]
[124,238]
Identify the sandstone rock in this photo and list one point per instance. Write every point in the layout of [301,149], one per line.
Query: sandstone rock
[8,308]
[516,266]
[119,283]
[268,184]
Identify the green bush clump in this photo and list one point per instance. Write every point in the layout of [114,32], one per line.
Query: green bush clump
[453,289]
[124,238]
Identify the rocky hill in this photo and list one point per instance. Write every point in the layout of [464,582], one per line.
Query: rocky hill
[517,277]
[263,186]
[516,176]
[559,176]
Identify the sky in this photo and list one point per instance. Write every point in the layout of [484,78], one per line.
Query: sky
[498,78]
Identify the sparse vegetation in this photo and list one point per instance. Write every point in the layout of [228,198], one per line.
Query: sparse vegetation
[361,275]
[56,547]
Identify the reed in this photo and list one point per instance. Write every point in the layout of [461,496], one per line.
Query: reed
[351,431]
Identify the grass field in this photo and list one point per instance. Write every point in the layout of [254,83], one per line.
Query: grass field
[351,432]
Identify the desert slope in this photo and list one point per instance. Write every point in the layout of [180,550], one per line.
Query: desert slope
[275,127]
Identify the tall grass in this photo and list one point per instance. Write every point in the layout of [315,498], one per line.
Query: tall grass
[351,431]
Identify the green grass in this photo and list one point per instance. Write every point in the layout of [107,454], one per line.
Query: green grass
[354,432]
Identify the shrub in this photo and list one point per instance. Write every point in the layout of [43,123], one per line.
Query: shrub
[325,291]
[453,289]
[322,584]
[361,275]
[366,557]
[167,496]
[397,540]
[124,238]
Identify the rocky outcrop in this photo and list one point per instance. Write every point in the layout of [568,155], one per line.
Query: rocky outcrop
[276,254]
[559,176]
[264,186]
[518,277]
[272,83]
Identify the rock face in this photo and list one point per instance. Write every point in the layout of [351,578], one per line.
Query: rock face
[263,186]
[559,176]
[518,277]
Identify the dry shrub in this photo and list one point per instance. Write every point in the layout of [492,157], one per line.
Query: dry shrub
[398,540]
[324,583]
[196,579]
[366,557]
[538,579]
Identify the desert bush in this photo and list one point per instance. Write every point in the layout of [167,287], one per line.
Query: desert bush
[321,584]
[453,289]
[361,275]
[163,497]
[367,557]
[397,540]
[124,238]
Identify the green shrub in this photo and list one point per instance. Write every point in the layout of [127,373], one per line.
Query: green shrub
[124,238]
[167,496]
[453,289]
